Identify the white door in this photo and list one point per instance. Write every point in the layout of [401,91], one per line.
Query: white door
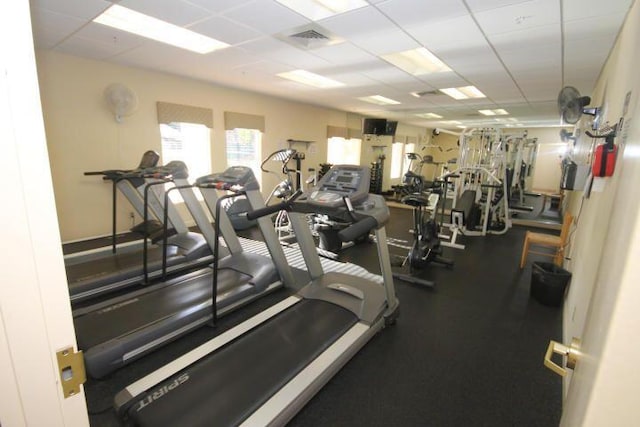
[603,389]
[604,386]
[35,313]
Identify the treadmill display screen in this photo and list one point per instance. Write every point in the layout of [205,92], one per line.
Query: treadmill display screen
[341,181]
[343,178]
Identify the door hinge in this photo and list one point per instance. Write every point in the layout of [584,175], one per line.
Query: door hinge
[71,369]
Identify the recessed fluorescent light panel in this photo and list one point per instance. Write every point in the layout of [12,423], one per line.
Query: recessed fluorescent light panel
[416,62]
[320,9]
[379,100]
[451,122]
[310,79]
[498,112]
[146,26]
[429,116]
[464,92]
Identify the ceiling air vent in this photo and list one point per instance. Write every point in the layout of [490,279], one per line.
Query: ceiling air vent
[311,36]
[426,93]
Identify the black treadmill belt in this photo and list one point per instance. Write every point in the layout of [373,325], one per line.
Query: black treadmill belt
[116,267]
[130,316]
[225,387]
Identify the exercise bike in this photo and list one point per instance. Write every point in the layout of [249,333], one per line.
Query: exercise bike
[426,248]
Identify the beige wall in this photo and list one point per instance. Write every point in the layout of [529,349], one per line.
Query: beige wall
[82,134]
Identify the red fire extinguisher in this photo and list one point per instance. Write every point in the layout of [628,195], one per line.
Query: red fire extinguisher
[604,161]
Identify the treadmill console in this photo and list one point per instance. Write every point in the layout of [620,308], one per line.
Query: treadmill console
[342,180]
[241,176]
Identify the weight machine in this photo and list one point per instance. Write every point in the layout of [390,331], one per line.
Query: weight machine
[480,204]
[520,152]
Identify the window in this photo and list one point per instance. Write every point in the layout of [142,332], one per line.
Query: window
[341,151]
[244,149]
[397,156]
[408,148]
[190,143]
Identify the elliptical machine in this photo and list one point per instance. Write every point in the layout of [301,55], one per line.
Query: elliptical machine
[426,248]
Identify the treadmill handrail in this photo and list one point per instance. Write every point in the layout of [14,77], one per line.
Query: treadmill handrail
[145,246]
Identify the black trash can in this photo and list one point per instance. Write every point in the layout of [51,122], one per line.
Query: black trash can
[548,283]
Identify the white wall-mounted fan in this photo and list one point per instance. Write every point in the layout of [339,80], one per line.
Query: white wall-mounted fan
[566,136]
[571,105]
[121,100]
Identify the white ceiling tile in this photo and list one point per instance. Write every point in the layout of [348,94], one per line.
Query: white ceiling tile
[580,9]
[50,28]
[262,67]
[225,30]
[225,66]
[438,36]
[501,92]
[543,48]
[229,58]
[120,40]
[352,80]
[86,9]
[479,58]
[584,58]
[218,6]
[525,36]
[174,60]
[358,22]
[482,5]
[420,12]
[173,11]
[444,80]
[409,86]
[547,62]
[384,72]
[541,93]
[93,49]
[519,16]
[343,54]
[275,50]
[382,43]
[266,16]
[600,26]
[533,76]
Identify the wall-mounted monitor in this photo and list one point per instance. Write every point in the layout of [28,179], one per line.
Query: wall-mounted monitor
[374,126]
[390,128]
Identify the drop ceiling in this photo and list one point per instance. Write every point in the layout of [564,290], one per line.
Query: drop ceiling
[518,53]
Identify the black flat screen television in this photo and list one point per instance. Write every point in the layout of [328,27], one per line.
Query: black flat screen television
[374,126]
[390,128]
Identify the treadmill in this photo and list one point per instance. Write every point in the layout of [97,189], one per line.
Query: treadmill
[115,332]
[92,275]
[308,336]
[127,188]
